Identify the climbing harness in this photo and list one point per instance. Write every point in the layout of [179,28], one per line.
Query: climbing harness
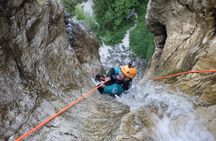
[90,93]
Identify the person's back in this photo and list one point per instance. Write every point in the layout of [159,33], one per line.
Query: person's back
[117,80]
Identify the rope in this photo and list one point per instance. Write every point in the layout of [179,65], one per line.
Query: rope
[88,94]
[56,114]
[187,72]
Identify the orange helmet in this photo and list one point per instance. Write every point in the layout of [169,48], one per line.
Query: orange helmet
[129,71]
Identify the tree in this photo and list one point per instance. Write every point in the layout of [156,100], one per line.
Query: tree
[112,15]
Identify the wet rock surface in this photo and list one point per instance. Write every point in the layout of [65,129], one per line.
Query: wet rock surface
[184,33]
[207,114]
[85,45]
[40,73]
[120,55]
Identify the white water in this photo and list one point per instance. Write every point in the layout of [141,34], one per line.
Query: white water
[176,120]
[87,7]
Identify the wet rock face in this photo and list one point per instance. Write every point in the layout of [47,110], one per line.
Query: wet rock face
[136,126]
[208,116]
[85,46]
[184,34]
[41,73]
[34,50]
[35,59]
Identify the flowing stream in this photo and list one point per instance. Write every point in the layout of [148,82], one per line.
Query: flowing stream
[175,119]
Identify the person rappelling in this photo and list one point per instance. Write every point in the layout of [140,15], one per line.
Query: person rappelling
[117,80]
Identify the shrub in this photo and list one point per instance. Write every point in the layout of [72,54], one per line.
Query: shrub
[111,15]
[87,19]
[70,5]
[141,39]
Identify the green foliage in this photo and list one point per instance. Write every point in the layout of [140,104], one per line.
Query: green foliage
[112,20]
[75,10]
[141,40]
[112,38]
[111,15]
[87,19]
[70,5]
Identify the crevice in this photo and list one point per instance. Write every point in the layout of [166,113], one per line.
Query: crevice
[28,117]
[69,134]
[17,62]
[6,52]
[33,30]
[214,21]
[160,33]
[29,114]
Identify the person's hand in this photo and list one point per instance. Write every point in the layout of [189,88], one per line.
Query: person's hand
[102,83]
[107,79]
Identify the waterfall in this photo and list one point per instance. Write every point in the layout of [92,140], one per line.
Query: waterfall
[175,119]
[87,6]
[120,55]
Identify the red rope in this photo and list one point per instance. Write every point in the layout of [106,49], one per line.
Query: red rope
[88,94]
[56,114]
[187,72]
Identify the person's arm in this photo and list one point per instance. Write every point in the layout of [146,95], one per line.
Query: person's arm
[111,76]
[108,77]
[111,72]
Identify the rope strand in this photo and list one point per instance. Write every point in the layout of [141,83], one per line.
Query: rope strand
[89,93]
[56,114]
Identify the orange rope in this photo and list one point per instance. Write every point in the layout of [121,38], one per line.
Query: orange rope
[88,94]
[56,114]
[187,72]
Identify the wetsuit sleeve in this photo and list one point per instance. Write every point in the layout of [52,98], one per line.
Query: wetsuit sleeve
[111,74]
